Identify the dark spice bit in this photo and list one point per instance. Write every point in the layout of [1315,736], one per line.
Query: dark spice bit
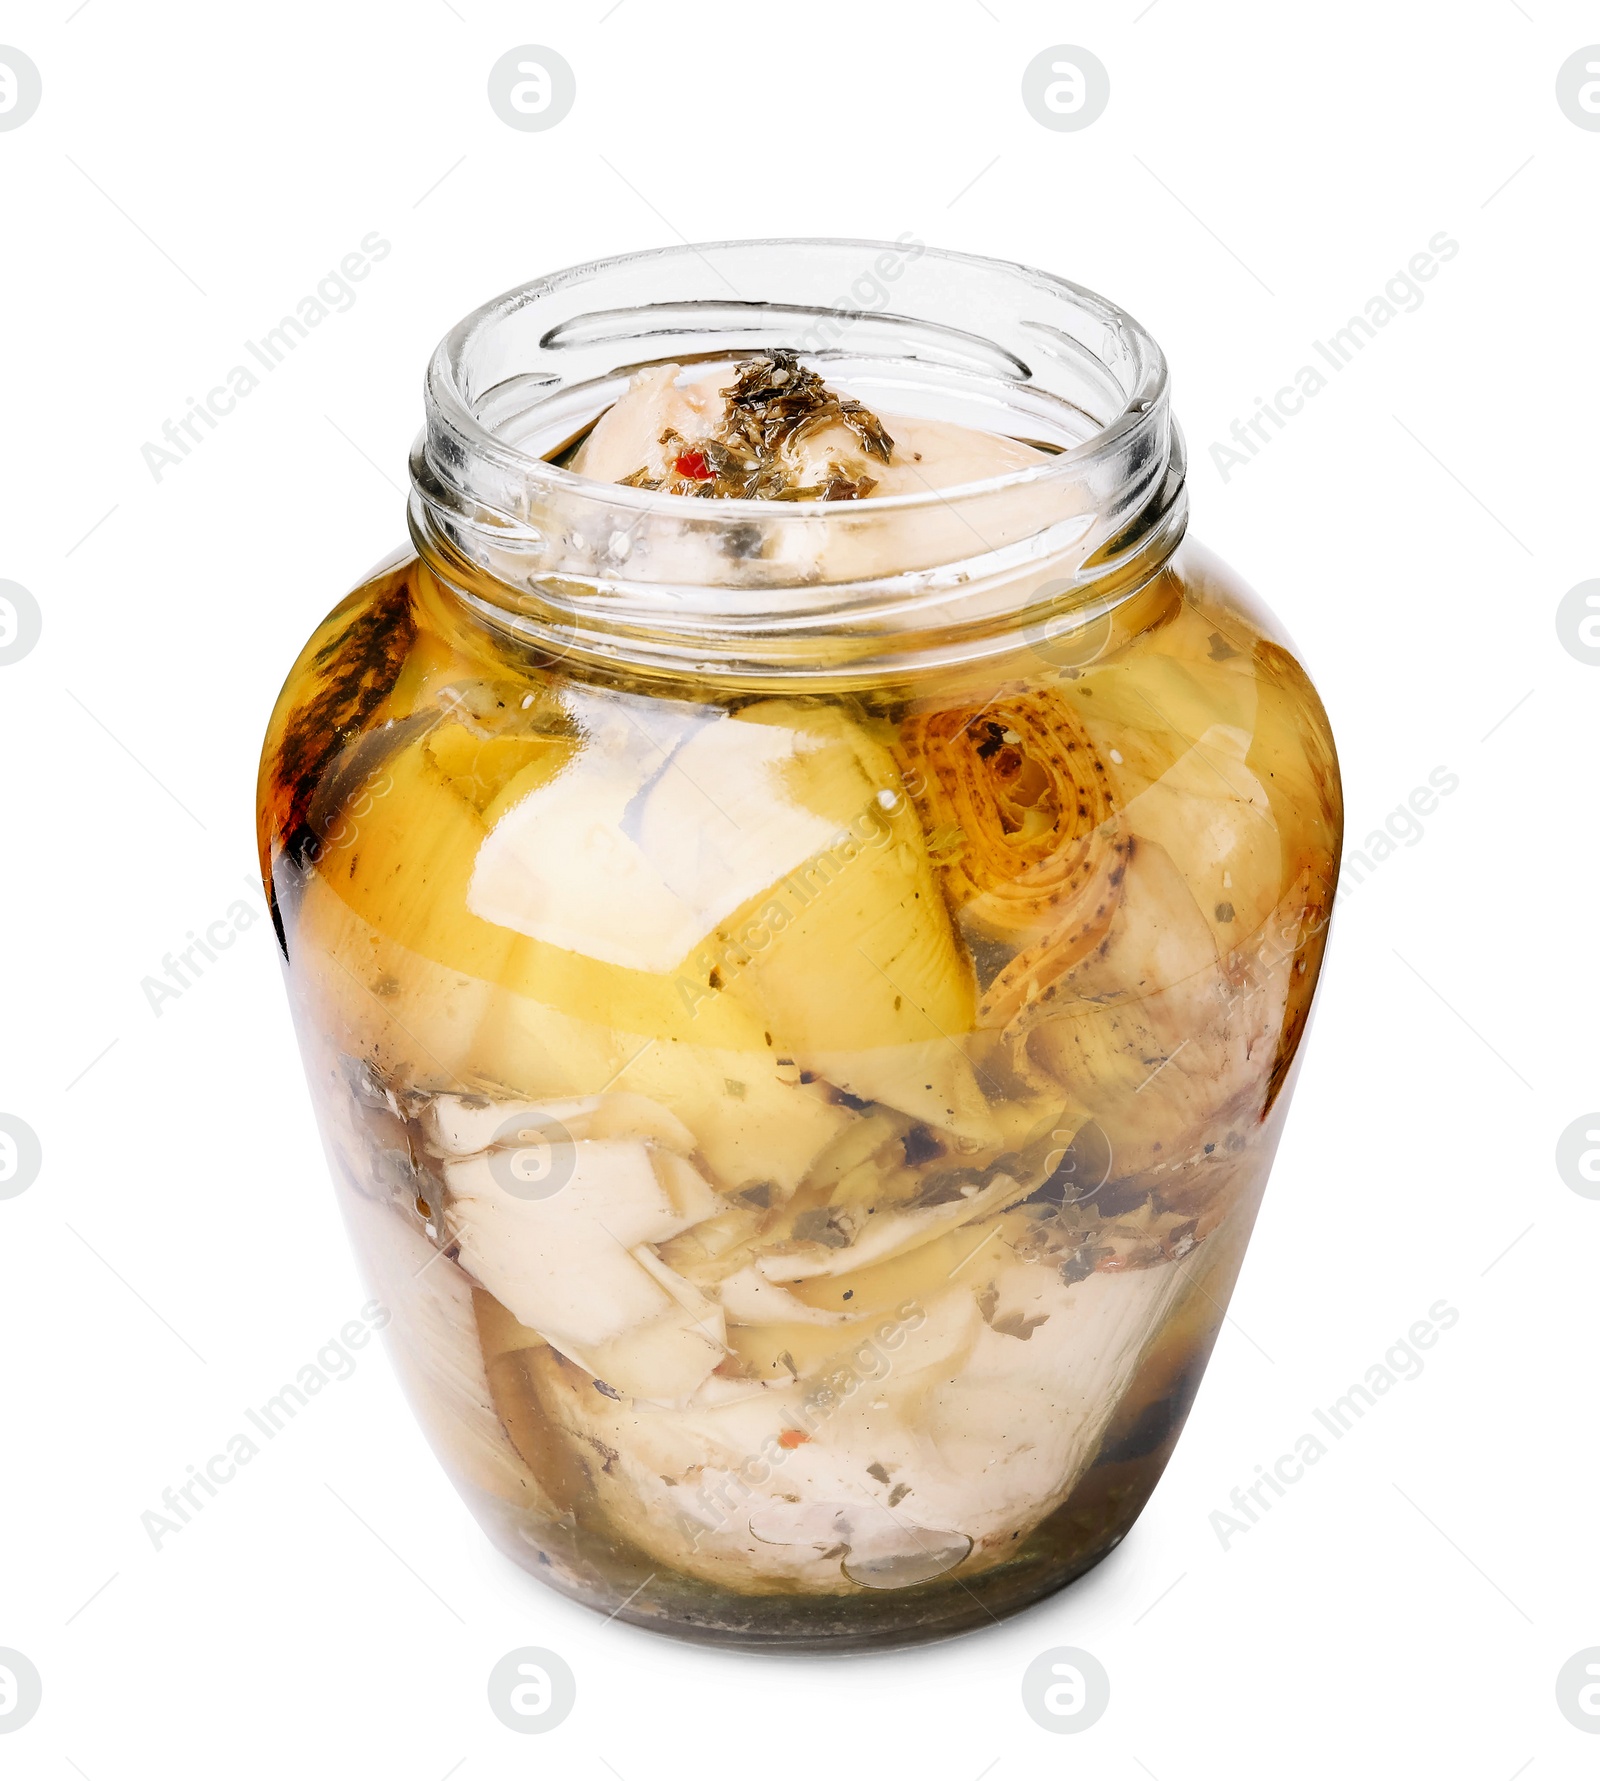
[772,404]
[921,1145]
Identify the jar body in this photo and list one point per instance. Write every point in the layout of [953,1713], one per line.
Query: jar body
[806,1139]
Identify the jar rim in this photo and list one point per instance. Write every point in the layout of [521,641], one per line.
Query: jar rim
[446,397]
[584,567]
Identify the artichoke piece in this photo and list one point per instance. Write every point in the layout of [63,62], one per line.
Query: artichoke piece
[461,1125]
[686,1487]
[853,950]
[574,1264]
[1156,983]
[748,1297]
[404,871]
[499,1333]
[956,1254]
[666,1360]
[1151,704]
[929,1415]
[478,768]
[1214,820]
[784,435]
[667,820]
[531,1049]
[933,1082]
[1175,1048]
[407,977]
[1034,854]
[781,1353]
[868,1137]
[1028,1416]
[879,1235]
[754,1121]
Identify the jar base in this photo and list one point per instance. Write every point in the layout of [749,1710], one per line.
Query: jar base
[1078,1536]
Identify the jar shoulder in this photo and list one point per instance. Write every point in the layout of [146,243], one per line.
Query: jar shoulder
[357,674]
[1292,738]
[1192,732]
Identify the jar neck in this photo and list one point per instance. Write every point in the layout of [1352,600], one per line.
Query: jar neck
[843,590]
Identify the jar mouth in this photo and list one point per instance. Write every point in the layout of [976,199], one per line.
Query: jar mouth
[908,329]
[456,393]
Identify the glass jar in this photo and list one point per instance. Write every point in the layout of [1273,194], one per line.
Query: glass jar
[801,997]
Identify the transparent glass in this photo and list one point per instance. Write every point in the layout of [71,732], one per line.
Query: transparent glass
[801,999]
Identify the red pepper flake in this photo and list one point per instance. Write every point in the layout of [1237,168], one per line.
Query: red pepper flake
[693,465]
[792,1438]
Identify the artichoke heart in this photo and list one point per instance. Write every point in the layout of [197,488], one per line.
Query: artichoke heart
[852,949]
[1032,851]
[565,1248]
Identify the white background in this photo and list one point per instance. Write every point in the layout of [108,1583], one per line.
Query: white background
[1260,172]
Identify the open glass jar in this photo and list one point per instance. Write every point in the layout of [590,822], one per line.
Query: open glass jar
[801,996]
